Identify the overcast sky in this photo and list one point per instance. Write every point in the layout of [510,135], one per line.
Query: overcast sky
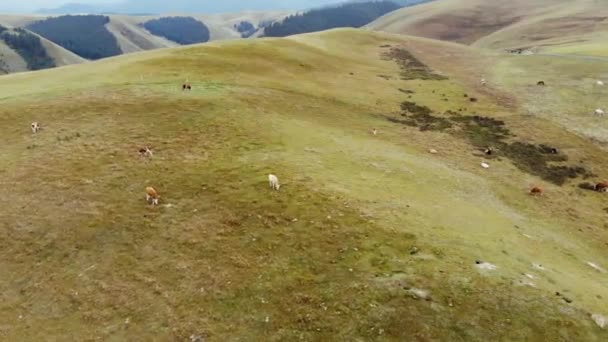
[164,5]
[29,5]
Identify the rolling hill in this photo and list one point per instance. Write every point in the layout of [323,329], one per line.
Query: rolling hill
[128,34]
[370,237]
[541,24]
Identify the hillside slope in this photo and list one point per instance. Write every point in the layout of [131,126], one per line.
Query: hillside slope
[502,24]
[11,61]
[131,36]
[370,236]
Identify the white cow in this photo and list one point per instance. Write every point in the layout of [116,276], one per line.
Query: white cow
[485,165]
[374,131]
[599,112]
[273,181]
[35,127]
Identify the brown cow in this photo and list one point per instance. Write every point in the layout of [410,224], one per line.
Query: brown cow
[536,191]
[152,194]
[540,83]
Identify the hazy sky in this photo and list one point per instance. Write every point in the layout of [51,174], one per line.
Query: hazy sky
[29,5]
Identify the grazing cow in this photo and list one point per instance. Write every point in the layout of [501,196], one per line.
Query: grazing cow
[601,187]
[599,112]
[374,131]
[536,191]
[273,181]
[489,151]
[186,86]
[599,83]
[145,152]
[540,83]
[152,194]
[35,127]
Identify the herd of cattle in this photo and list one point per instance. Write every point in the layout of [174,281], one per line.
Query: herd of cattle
[152,196]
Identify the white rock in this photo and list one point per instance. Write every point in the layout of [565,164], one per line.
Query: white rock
[486,266]
[538,267]
[424,294]
[596,267]
[433,151]
[485,165]
[600,320]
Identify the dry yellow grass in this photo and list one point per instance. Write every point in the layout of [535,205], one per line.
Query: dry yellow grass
[501,24]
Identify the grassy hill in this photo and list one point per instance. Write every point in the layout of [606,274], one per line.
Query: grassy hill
[497,24]
[129,34]
[23,50]
[370,238]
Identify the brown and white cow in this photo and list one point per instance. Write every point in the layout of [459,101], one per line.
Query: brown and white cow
[152,195]
[35,127]
[601,187]
[145,152]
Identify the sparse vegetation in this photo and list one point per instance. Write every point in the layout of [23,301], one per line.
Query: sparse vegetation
[85,35]
[29,47]
[347,15]
[411,67]
[182,30]
[481,131]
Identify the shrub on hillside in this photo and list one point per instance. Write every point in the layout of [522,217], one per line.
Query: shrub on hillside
[245,28]
[182,30]
[85,35]
[347,15]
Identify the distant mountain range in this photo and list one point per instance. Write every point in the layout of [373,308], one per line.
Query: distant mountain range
[139,7]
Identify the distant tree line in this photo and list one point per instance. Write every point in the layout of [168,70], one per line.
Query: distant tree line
[85,35]
[347,15]
[182,30]
[28,46]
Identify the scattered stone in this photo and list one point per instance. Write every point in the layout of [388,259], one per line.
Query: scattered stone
[433,151]
[485,165]
[294,220]
[601,321]
[196,338]
[419,293]
[539,267]
[596,267]
[486,266]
